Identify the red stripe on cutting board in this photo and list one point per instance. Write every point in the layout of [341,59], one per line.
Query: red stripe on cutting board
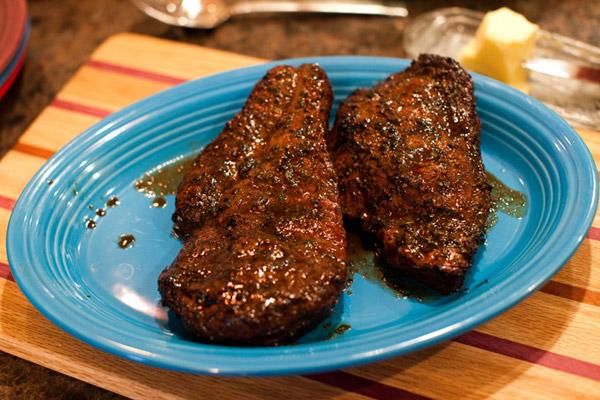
[530,354]
[366,387]
[7,203]
[571,292]
[136,72]
[80,108]
[594,233]
[5,271]
[33,150]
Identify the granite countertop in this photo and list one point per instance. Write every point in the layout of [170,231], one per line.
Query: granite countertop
[65,33]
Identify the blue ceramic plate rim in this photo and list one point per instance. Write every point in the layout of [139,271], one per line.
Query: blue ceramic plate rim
[294,359]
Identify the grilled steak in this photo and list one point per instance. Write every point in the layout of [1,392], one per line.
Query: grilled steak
[231,156]
[409,166]
[264,259]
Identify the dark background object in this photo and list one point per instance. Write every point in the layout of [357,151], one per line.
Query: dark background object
[66,32]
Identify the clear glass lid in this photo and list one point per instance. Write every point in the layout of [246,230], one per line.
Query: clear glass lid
[446,31]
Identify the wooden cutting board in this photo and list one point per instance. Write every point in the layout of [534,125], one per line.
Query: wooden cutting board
[547,347]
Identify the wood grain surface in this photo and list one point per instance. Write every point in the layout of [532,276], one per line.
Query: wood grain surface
[547,347]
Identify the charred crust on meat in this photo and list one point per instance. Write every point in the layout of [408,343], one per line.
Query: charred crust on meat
[409,167]
[264,258]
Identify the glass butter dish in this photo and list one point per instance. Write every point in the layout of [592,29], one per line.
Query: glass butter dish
[446,31]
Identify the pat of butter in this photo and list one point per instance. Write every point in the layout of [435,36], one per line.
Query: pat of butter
[504,40]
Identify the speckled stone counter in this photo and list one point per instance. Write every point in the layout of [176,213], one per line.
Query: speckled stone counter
[64,33]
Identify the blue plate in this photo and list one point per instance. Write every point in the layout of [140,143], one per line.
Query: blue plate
[83,282]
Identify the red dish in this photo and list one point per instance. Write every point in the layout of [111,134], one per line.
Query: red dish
[13,20]
[13,75]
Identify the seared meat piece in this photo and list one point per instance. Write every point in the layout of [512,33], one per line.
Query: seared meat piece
[409,166]
[267,262]
[231,156]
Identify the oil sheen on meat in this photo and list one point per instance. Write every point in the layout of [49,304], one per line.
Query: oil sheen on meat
[407,155]
[265,250]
